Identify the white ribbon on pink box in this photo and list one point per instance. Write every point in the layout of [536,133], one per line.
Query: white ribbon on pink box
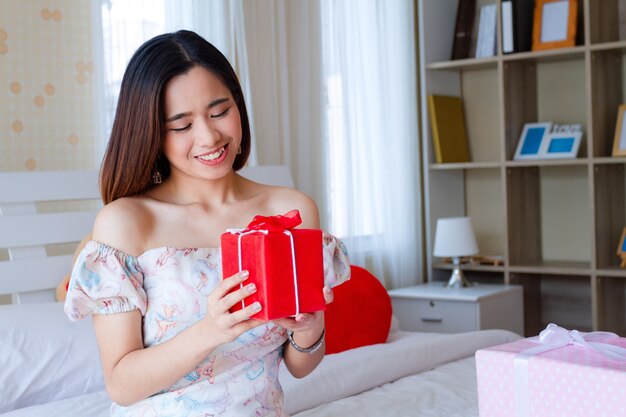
[555,337]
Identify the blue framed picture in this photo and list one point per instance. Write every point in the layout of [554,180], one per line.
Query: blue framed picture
[561,145]
[531,141]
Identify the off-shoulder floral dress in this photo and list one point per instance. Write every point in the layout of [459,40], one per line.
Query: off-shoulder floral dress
[170,287]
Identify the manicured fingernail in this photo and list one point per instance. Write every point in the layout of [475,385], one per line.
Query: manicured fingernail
[250,288]
[256,306]
[244,274]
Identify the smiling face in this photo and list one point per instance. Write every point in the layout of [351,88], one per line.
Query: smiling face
[202,125]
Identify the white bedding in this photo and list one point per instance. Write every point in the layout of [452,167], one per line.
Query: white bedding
[448,390]
[431,379]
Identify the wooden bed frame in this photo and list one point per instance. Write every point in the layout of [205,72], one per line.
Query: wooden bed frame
[41,211]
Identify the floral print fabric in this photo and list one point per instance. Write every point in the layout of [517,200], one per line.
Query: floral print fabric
[170,287]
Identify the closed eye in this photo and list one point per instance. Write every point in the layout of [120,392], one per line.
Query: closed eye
[182,129]
[222,114]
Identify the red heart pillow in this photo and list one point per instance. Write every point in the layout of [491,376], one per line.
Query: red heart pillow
[360,314]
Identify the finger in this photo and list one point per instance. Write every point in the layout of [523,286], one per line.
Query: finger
[329,296]
[304,318]
[235,297]
[229,283]
[245,313]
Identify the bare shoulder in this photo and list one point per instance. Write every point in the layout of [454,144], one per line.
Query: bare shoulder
[283,199]
[122,224]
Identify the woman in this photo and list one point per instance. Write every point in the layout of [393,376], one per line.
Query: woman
[151,276]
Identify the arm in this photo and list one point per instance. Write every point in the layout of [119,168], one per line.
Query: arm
[132,372]
[307,328]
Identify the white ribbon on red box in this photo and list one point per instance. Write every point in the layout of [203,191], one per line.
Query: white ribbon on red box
[242,233]
[265,224]
[555,337]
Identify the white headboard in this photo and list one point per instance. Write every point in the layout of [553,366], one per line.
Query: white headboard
[30,226]
[30,273]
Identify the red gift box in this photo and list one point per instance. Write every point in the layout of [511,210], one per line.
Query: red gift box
[267,249]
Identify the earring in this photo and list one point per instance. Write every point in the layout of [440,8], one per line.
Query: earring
[239,150]
[156,177]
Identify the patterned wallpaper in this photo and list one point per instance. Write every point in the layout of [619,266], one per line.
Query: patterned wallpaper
[46,93]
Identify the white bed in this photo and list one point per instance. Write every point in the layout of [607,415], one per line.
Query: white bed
[426,374]
[49,365]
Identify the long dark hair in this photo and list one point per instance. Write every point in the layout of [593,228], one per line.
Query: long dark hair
[134,148]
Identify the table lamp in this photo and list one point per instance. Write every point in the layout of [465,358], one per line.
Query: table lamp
[454,239]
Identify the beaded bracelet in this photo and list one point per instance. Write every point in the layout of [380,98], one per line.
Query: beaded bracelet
[311,349]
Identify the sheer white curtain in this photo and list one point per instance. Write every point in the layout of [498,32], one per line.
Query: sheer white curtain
[284,58]
[331,92]
[124,25]
[369,70]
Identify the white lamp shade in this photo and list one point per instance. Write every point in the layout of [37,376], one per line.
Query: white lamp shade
[455,237]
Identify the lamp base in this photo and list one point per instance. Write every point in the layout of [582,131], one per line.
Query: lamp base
[457,279]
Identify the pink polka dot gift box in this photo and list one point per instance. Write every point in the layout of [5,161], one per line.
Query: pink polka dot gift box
[558,373]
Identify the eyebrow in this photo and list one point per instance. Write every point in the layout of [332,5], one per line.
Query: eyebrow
[211,104]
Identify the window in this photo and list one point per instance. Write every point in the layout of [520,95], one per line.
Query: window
[126,24]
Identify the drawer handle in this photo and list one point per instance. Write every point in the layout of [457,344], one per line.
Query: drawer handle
[427,320]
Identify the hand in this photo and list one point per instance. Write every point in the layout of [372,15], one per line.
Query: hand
[222,325]
[308,326]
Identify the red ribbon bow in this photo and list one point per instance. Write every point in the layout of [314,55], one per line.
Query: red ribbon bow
[275,223]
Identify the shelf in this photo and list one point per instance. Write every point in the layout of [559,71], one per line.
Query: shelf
[554,268]
[561,54]
[546,267]
[547,162]
[472,267]
[530,163]
[563,299]
[609,160]
[557,222]
[604,20]
[611,296]
[465,165]
[465,64]
[610,194]
[607,46]
[615,272]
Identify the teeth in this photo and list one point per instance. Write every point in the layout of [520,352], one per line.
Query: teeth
[212,156]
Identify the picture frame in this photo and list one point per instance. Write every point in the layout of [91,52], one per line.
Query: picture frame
[561,145]
[554,24]
[619,142]
[530,144]
[621,248]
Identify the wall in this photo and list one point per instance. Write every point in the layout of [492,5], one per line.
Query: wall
[46,92]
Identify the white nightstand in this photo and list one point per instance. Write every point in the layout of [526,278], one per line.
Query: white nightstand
[434,308]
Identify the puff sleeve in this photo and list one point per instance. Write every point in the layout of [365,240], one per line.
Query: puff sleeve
[104,280]
[336,261]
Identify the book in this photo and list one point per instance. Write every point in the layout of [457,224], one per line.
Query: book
[447,124]
[507,26]
[523,16]
[463,29]
[487,25]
